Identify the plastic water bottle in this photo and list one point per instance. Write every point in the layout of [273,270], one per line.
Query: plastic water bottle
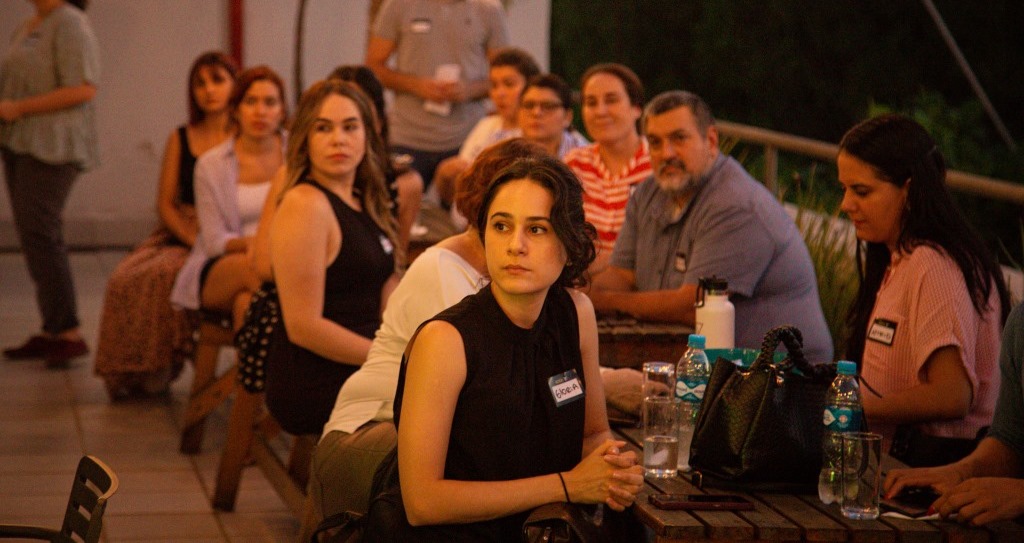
[715,317]
[691,381]
[843,413]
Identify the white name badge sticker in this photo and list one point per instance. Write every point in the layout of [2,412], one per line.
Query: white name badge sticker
[680,263]
[883,331]
[385,244]
[420,26]
[565,388]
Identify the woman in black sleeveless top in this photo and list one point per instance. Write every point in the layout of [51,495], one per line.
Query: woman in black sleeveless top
[500,406]
[332,245]
[143,340]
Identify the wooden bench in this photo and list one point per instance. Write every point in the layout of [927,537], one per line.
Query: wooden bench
[251,431]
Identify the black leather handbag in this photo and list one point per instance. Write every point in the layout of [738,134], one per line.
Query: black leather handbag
[760,429]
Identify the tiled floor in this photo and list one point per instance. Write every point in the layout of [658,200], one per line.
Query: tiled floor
[48,419]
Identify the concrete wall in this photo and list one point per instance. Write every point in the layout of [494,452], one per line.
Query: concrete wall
[146,48]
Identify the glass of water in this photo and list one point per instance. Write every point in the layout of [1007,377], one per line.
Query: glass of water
[861,475]
[659,379]
[661,436]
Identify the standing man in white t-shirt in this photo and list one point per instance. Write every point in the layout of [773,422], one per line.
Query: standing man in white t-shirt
[441,50]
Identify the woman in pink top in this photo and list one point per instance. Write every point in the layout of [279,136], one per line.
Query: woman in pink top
[932,300]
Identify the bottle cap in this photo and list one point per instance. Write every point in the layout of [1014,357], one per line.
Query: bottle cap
[714,284]
[846,367]
[696,340]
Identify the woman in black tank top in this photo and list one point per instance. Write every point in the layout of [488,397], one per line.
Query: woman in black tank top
[141,336]
[332,246]
[500,406]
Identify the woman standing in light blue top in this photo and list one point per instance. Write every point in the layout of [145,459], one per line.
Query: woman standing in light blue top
[47,136]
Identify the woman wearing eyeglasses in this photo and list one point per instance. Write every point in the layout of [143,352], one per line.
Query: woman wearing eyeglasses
[545,115]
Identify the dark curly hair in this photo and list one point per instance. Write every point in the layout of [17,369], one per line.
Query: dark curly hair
[471,184]
[567,218]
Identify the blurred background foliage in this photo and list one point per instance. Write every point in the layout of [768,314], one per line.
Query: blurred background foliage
[814,69]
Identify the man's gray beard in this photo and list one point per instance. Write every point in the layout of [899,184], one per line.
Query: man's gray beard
[680,191]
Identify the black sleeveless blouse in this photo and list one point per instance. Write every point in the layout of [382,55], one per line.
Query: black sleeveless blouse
[186,169]
[507,424]
[301,386]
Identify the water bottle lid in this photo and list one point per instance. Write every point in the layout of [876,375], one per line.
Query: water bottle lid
[714,284]
[846,367]
[697,341]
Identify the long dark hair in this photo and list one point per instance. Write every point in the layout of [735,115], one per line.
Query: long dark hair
[900,151]
[567,217]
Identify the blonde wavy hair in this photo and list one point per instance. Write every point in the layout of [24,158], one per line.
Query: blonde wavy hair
[370,185]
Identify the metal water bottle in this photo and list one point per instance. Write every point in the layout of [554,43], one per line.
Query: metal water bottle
[715,317]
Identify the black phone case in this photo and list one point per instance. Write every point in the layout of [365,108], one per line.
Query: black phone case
[691,502]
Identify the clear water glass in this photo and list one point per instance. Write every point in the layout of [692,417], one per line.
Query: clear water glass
[661,436]
[860,475]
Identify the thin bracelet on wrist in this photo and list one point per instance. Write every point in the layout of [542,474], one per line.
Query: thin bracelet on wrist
[564,488]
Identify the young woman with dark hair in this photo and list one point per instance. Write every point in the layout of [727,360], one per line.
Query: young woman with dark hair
[359,432]
[142,339]
[232,181]
[482,437]
[932,300]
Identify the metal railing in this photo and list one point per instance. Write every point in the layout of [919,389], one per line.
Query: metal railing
[773,142]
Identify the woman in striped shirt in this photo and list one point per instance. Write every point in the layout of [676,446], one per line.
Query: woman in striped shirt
[613,98]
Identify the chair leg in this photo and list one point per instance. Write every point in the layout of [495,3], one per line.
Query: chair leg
[208,391]
[241,424]
[301,459]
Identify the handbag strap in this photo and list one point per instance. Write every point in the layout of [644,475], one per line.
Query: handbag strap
[791,337]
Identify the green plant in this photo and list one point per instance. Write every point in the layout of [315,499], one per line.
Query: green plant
[828,241]
[1014,263]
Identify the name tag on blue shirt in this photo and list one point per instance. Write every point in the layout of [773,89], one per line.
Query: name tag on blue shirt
[680,263]
[565,388]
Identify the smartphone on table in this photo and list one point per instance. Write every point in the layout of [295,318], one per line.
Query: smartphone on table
[912,501]
[701,502]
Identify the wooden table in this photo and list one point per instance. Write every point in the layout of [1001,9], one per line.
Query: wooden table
[789,517]
[628,343]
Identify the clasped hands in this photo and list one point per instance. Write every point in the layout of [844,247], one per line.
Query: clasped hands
[607,475]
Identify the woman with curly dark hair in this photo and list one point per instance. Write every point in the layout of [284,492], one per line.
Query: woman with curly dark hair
[932,300]
[500,406]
